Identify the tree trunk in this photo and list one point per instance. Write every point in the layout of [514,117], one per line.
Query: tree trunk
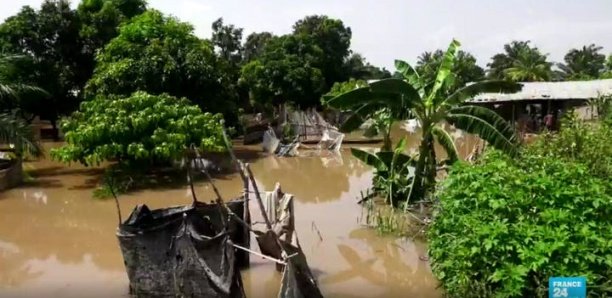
[425,171]
[55,130]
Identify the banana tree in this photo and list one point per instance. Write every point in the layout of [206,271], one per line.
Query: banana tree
[394,172]
[430,103]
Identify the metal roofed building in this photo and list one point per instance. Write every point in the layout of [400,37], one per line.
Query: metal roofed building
[544,91]
[537,99]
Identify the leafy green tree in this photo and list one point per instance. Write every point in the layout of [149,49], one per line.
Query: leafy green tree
[286,73]
[141,128]
[159,54]
[527,63]
[529,66]
[586,63]
[356,67]
[228,40]
[414,97]
[50,38]
[15,131]
[464,69]
[100,20]
[608,68]
[254,45]
[333,38]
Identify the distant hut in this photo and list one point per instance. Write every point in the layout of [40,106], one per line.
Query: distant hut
[528,107]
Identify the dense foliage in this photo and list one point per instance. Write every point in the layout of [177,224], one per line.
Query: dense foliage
[141,128]
[464,69]
[429,103]
[504,227]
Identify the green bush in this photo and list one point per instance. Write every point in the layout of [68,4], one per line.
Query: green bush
[503,227]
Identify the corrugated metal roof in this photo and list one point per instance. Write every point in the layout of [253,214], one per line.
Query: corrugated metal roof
[581,90]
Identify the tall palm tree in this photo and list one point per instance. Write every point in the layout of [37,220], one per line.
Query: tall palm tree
[529,66]
[426,101]
[14,130]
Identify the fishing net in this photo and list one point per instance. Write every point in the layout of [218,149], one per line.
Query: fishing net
[181,252]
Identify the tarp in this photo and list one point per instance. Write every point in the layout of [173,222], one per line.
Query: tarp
[180,252]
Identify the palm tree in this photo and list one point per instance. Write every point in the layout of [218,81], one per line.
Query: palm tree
[14,130]
[583,64]
[529,66]
[413,97]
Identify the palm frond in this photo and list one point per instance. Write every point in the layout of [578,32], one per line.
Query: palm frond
[447,142]
[487,124]
[15,131]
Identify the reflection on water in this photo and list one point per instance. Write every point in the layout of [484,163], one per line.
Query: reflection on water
[57,241]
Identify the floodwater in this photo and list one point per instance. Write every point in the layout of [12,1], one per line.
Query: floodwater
[56,240]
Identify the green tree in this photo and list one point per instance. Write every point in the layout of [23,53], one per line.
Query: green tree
[228,40]
[464,69]
[356,67]
[586,63]
[527,63]
[140,128]
[159,54]
[286,72]
[50,38]
[100,20]
[254,45]
[607,74]
[333,38]
[413,97]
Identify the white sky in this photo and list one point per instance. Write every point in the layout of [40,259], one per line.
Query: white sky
[384,30]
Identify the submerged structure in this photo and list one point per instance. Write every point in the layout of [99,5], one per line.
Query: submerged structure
[197,250]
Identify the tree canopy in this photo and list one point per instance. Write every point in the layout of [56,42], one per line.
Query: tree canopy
[334,40]
[465,69]
[286,72]
[159,54]
[137,128]
[254,45]
[520,62]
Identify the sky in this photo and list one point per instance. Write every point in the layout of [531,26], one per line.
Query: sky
[384,30]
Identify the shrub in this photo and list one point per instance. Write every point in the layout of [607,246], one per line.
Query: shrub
[589,143]
[139,128]
[503,227]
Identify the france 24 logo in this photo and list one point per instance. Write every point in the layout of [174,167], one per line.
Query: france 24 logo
[567,287]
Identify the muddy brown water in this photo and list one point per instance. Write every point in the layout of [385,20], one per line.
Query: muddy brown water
[56,240]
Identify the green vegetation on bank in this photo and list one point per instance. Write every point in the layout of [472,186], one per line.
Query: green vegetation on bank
[504,226]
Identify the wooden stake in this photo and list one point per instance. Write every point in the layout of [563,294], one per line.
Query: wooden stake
[258,197]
